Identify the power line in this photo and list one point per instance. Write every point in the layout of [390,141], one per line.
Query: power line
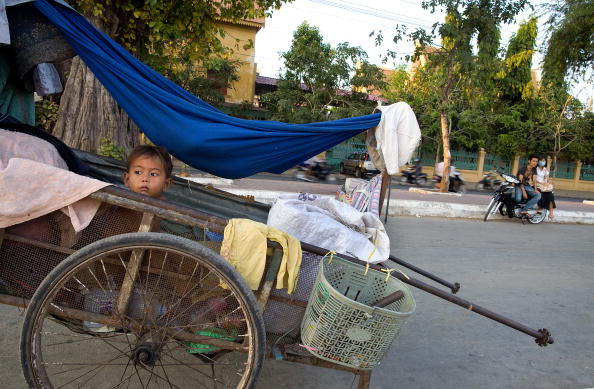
[376,13]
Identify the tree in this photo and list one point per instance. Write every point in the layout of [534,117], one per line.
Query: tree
[454,57]
[570,47]
[185,32]
[321,82]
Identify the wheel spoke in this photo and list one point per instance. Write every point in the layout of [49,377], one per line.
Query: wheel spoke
[178,291]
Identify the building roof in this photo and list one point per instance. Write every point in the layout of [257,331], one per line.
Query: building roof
[270,81]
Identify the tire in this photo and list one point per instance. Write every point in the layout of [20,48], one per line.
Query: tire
[177,295]
[461,189]
[479,186]
[342,169]
[538,217]
[403,179]
[421,181]
[492,208]
[358,172]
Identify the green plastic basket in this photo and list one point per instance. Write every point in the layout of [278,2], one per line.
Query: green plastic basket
[339,325]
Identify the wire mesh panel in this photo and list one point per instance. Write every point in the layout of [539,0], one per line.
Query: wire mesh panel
[340,326]
[282,317]
[32,249]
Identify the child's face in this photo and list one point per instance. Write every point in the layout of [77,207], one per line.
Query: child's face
[147,176]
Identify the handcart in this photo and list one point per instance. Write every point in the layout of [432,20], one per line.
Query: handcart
[124,306]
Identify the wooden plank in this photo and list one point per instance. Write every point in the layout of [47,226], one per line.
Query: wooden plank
[75,314]
[385,183]
[299,303]
[43,245]
[270,278]
[364,379]
[133,267]
[161,208]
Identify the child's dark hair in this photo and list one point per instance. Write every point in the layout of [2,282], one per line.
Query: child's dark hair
[152,151]
[533,156]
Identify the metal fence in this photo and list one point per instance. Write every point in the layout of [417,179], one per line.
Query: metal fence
[587,173]
[338,153]
[500,164]
[564,170]
[463,160]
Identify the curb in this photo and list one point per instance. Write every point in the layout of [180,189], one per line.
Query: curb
[420,208]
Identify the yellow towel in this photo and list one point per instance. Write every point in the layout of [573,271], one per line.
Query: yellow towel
[244,246]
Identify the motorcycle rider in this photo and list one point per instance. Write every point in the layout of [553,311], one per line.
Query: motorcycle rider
[525,189]
[455,179]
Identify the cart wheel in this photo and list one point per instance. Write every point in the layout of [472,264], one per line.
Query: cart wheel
[187,310]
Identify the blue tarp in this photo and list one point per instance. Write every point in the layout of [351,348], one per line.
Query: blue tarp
[192,130]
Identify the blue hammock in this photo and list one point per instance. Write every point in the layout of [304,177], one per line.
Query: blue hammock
[192,130]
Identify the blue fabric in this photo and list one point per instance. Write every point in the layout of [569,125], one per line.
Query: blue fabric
[192,130]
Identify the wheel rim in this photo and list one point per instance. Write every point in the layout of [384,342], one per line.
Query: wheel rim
[538,217]
[490,209]
[164,308]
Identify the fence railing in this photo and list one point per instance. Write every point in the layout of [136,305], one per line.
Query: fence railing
[497,162]
[465,160]
[338,153]
[587,173]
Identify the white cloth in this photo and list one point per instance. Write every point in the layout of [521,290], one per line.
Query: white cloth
[397,135]
[439,170]
[542,174]
[34,181]
[332,225]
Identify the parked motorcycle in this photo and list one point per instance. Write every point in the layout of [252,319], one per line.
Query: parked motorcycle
[488,183]
[504,202]
[409,177]
[456,183]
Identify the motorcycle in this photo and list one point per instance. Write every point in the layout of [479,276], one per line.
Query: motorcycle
[456,183]
[408,177]
[488,182]
[504,202]
[319,171]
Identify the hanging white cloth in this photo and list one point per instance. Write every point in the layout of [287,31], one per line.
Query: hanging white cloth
[396,137]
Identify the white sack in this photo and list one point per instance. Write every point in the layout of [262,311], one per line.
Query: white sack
[328,223]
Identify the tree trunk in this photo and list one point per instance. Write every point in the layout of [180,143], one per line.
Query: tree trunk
[89,113]
[445,179]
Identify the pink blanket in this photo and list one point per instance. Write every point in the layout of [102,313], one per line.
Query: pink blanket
[34,181]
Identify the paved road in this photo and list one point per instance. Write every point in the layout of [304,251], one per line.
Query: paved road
[443,346]
[258,183]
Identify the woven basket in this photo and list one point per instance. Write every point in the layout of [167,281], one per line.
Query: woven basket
[339,325]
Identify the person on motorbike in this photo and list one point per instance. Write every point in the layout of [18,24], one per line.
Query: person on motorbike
[525,189]
[418,167]
[455,179]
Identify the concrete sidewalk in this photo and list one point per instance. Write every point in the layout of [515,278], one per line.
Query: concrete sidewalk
[403,201]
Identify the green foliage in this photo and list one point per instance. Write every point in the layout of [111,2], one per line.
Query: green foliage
[570,47]
[46,113]
[321,82]
[488,98]
[109,149]
[515,80]
[180,39]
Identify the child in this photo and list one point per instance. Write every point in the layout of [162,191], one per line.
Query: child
[149,171]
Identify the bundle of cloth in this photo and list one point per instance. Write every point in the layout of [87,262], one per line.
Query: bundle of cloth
[329,223]
[35,181]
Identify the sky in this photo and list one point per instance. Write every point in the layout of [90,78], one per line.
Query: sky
[352,21]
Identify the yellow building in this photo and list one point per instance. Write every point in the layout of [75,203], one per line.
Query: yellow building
[241,38]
